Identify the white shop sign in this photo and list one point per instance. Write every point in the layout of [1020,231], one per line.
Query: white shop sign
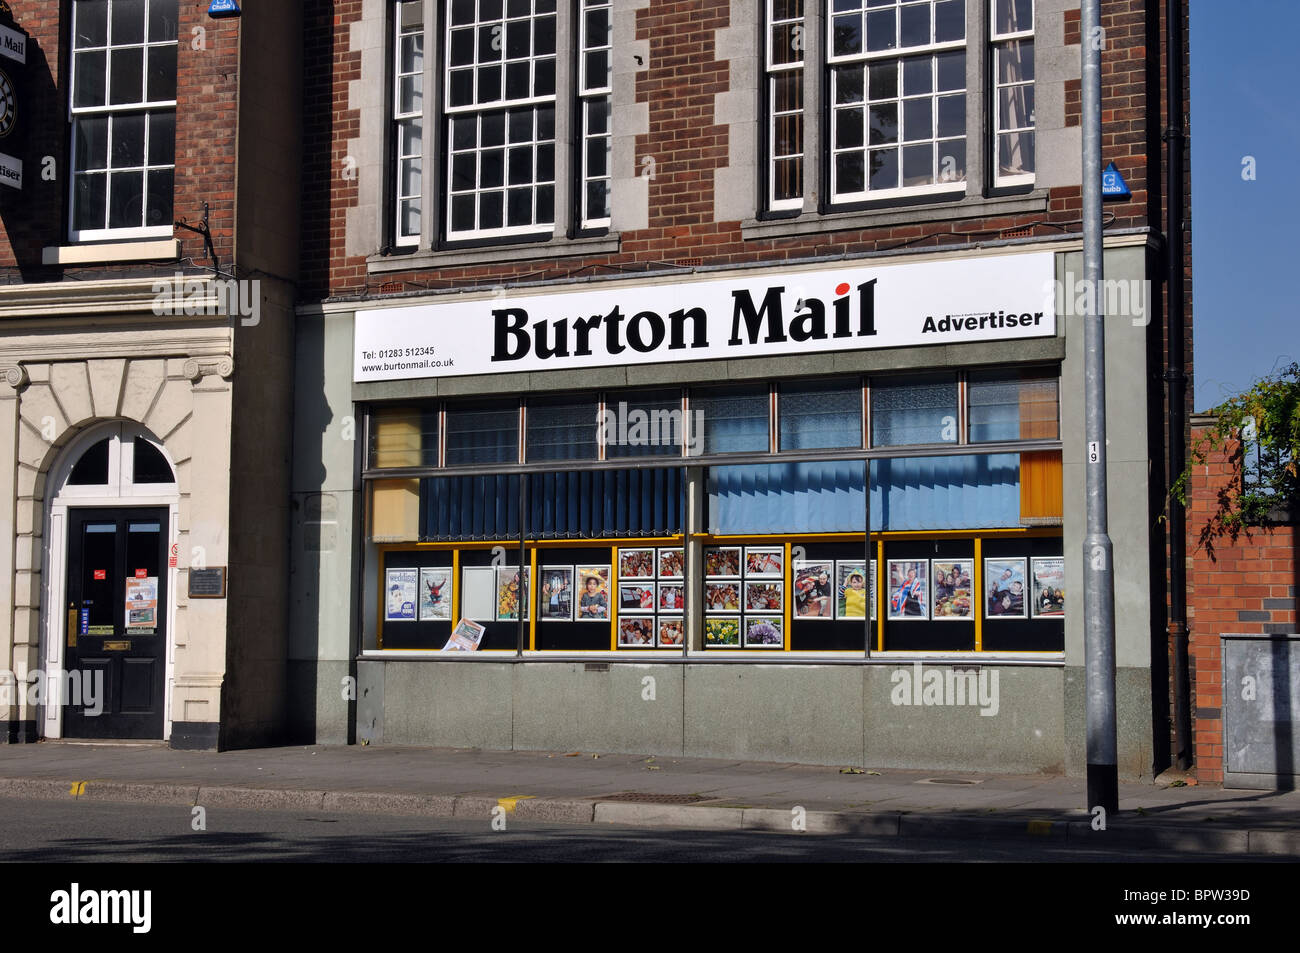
[846,308]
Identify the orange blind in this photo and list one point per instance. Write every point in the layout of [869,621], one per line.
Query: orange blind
[1040,486]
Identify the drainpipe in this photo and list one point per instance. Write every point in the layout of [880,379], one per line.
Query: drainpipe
[1176,379]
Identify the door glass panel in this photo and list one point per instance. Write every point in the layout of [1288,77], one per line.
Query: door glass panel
[143,564]
[99,579]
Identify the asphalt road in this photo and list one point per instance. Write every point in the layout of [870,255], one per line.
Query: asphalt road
[36,831]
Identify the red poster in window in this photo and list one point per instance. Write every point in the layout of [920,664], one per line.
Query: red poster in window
[101,573]
[142,574]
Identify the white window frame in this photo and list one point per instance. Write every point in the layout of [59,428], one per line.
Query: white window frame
[999,43]
[144,106]
[402,118]
[590,93]
[773,72]
[896,55]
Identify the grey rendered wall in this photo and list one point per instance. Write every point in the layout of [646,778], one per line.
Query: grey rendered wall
[323,500]
[1127,466]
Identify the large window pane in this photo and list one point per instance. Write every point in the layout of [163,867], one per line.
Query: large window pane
[404,437]
[482,434]
[561,429]
[913,410]
[735,419]
[820,416]
[1013,407]
[646,424]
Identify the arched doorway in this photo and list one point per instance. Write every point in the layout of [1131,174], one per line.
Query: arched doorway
[111,528]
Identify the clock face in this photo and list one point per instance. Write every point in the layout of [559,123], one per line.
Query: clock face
[7,105]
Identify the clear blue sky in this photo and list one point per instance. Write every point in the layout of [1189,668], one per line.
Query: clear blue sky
[1245,257]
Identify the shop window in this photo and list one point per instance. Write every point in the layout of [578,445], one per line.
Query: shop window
[1005,406]
[478,434]
[403,437]
[914,410]
[647,424]
[123,112]
[561,429]
[735,420]
[820,416]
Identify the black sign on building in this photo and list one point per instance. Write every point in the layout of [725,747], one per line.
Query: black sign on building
[13,63]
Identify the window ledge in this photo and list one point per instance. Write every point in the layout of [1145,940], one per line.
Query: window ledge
[554,248]
[810,223]
[168,248]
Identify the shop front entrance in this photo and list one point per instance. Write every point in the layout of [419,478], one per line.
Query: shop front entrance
[116,631]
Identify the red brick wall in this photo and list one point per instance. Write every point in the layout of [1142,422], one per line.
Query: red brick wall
[679,81]
[1243,585]
[206,98]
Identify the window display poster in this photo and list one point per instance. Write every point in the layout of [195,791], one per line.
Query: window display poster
[1049,587]
[722,632]
[477,592]
[636,597]
[435,594]
[142,605]
[672,597]
[952,589]
[722,562]
[671,632]
[1004,588]
[465,637]
[764,561]
[400,586]
[764,632]
[722,596]
[672,562]
[812,588]
[557,594]
[636,563]
[762,595]
[509,596]
[593,593]
[853,590]
[908,588]
[637,631]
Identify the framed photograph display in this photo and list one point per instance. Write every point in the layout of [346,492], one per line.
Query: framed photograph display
[722,562]
[766,561]
[1004,588]
[853,590]
[764,632]
[509,596]
[764,595]
[1049,587]
[952,591]
[672,632]
[672,563]
[636,597]
[435,594]
[722,596]
[909,590]
[636,631]
[813,584]
[672,597]
[593,593]
[636,563]
[722,632]
[557,594]
[400,594]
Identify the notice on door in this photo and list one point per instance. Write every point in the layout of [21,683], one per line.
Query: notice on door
[142,605]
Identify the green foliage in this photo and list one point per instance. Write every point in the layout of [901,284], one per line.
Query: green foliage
[1263,424]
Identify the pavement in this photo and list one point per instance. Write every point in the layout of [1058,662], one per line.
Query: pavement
[1171,813]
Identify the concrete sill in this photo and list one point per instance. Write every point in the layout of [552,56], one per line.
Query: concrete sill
[524,251]
[812,223]
[162,248]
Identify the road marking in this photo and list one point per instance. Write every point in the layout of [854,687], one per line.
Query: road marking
[1040,828]
[509,802]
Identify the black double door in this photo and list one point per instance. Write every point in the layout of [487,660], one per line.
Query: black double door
[116,639]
